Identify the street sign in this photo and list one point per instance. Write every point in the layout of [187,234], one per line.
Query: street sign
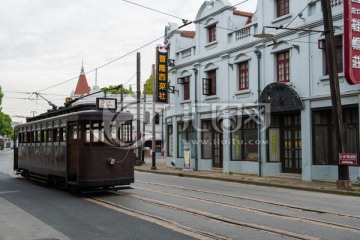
[347,158]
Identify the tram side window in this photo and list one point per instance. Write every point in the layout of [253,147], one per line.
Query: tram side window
[56,134]
[42,136]
[98,131]
[32,137]
[20,137]
[75,132]
[27,137]
[49,135]
[87,133]
[63,134]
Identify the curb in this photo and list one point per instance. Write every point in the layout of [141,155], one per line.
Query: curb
[328,191]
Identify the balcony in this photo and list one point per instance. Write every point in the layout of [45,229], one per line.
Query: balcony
[335,3]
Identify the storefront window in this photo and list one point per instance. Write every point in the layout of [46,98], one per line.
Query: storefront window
[244,145]
[324,141]
[170,142]
[186,132]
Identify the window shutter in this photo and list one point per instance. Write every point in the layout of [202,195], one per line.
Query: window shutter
[206,86]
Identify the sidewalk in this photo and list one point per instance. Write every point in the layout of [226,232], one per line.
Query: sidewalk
[290,181]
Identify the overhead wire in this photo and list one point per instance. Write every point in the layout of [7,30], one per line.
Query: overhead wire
[145,45]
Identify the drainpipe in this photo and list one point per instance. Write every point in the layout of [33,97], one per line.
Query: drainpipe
[258,55]
[196,122]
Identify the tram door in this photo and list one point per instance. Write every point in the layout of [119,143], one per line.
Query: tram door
[217,151]
[73,133]
[291,144]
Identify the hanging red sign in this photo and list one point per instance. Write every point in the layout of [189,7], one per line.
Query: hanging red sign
[352,41]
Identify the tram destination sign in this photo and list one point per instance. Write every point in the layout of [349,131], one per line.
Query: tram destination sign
[347,158]
[106,103]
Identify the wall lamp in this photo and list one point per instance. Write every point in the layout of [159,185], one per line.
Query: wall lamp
[171,62]
[171,89]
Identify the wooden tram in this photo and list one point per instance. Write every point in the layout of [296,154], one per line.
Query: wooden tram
[80,147]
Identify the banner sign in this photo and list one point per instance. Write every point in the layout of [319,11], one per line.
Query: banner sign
[161,74]
[352,41]
[187,155]
[347,158]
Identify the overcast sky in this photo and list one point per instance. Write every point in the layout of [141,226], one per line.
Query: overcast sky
[43,42]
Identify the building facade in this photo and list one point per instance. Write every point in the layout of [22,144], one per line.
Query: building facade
[258,105]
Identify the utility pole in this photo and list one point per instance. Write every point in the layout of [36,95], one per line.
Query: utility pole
[343,170]
[138,128]
[143,132]
[153,156]
[122,97]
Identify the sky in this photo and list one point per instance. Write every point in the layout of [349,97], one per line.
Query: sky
[44,42]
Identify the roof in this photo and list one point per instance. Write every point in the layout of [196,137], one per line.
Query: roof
[82,86]
[244,14]
[188,34]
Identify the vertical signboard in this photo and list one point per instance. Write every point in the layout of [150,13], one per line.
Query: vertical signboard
[352,41]
[187,155]
[161,74]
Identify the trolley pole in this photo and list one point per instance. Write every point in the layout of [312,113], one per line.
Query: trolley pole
[138,128]
[153,156]
[343,170]
[143,132]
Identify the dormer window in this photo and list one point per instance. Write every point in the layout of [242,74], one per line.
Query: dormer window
[212,33]
[282,7]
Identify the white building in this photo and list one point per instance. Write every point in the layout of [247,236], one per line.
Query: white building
[227,69]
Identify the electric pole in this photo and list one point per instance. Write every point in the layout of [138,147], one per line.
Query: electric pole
[138,128]
[343,170]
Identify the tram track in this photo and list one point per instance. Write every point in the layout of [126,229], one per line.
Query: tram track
[292,207]
[218,218]
[260,211]
[199,234]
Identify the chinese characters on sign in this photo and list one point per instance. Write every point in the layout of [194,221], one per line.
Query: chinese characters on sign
[106,103]
[347,158]
[352,41]
[161,74]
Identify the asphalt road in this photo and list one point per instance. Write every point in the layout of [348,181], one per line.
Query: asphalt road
[33,211]
[169,207]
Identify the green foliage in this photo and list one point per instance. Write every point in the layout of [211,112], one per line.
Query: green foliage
[5,124]
[358,180]
[1,96]
[148,87]
[115,90]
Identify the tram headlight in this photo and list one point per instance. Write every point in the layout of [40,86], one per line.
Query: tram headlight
[111,161]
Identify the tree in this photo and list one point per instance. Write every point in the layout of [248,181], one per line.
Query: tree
[115,90]
[5,120]
[5,125]
[149,85]
[1,96]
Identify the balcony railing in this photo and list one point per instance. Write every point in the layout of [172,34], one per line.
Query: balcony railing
[242,33]
[335,3]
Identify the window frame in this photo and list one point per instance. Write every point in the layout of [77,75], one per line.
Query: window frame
[282,8]
[339,54]
[211,31]
[211,75]
[186,88]
[283,66]
[243,81]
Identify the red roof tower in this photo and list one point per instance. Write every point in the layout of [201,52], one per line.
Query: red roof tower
[82,86]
